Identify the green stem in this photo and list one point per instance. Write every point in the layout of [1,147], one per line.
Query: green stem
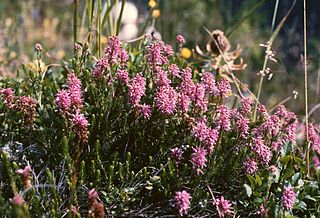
[260,86]
[306,83]
[120,16]
[75,20]
[99,29]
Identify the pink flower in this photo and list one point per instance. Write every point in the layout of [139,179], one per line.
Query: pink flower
[162,77]
[25,173]
[198,159]
[145,110]
[27,104]
[210,84]
[74,90]
[316,161]
[200,130]
[101,66]
[8,97]
[224,87]
[176,153]
[223,117]
[246,106]
[242,124]
[314,138]
[275,145]
[166,99]
[211,140]
[200,98]
[137,89]
[223,206]
[77,47]
[123,56]
[18,200]
[288,197]
[157,53]
[251,166]
[263,211]
[261,150]
[206,135]
[182,202]
[80,124]
[174,70]
[180,39]
[183,102]
[262,110]
[113,49]
[38,47]
[187,85]
[63,101]
[123,76]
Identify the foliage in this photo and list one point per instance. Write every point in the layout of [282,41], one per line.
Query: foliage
[142,132]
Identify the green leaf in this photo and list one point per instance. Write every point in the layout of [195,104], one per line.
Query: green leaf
[258,180]
[285,160]
[252,181]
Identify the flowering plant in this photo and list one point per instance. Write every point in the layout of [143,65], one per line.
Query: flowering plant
[140,131]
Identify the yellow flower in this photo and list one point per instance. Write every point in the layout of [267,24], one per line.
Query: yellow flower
[156,13]
[186,53]
[60,54]
[12,54]
[104,40]
[152,3]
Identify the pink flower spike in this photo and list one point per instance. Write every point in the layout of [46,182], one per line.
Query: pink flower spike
[180,39]
[137,89]
[63,101]
[145,110]
[18,200]
[288,198]
[176,153]
[198,159]
[251,166]
[75,90]
[182,202]
[80,124]
[223,206]
[123,76]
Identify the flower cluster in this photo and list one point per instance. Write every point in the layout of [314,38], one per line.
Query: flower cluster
[158,52]
[27,106]
[70,102]
[137,89]
[80,124]
[166,99]
[114,54]
[251,166]
[198,159]
[288,197]
[223,206]
[8,97]
[182,202]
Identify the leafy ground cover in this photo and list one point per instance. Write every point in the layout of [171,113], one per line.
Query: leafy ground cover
[139,130]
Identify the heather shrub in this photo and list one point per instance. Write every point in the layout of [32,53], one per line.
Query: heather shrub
[140,131]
